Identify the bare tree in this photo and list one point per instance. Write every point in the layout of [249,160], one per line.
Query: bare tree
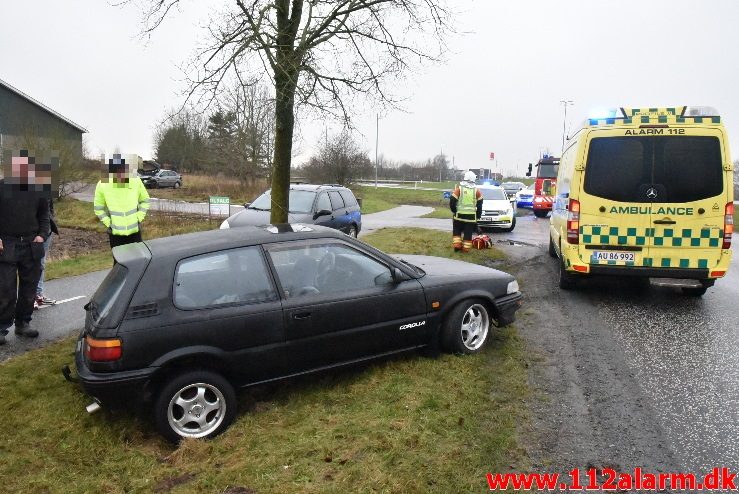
[339,161]
[316,53]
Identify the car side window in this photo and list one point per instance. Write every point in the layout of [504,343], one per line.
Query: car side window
[349,198]
[232,277]
[305,270]
[336,201]
[323,203]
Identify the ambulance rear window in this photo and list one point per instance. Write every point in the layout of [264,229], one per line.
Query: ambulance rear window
[680,168]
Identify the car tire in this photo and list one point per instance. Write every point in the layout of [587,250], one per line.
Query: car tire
[177,185]
[540,214]
[552,250]
[466,329]
[566,280]
[697,291]
[352,231]
[207,394]
[513,225]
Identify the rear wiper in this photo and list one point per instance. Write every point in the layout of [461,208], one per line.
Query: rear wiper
[258,209]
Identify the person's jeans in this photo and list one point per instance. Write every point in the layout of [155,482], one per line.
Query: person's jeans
[40,287]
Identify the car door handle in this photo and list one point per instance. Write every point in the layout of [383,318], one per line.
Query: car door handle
[301,315]
[665,222]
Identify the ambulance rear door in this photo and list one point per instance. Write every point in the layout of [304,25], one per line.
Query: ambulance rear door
[689,193]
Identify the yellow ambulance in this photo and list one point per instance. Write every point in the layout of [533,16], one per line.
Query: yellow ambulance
[645,192]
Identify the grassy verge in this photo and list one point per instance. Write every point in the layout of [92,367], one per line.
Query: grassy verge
[197,188]
[406,425]
[384,198]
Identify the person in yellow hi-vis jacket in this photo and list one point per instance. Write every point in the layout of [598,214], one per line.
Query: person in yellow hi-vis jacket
[121,203]
[466,206]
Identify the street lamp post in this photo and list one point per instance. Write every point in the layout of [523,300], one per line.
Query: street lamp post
[377,141]
[565,104]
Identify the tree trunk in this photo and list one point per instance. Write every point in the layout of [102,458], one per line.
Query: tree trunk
[284,125]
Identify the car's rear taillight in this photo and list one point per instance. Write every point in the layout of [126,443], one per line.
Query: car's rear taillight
[573,222]
[102,350]
[728,225]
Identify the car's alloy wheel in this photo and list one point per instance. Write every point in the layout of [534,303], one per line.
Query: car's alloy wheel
[352,231]
[467,328]
[177,185]
[198,404]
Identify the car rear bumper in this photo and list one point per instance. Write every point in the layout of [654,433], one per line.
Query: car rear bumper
[650,272]
[113,389]
[507,306]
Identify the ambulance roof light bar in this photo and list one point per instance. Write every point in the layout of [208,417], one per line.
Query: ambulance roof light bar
[700,111]
[604,113]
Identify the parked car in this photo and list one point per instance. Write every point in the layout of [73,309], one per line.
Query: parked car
[163,178]
[525,197]
[512,187]
[498,210]
[333,206]
[251,305]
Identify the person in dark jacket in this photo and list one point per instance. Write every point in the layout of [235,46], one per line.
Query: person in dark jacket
[24,226]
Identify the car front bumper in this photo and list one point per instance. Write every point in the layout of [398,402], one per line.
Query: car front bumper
[507,306]
[496,221]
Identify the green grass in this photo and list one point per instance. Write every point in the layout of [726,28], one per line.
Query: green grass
[384,198]
[442,213]
[411,424]
[93,261]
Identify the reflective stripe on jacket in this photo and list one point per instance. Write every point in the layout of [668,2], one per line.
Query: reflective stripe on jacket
[121,207]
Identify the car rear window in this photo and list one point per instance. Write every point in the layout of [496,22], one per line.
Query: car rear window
[107,293]
[679,168]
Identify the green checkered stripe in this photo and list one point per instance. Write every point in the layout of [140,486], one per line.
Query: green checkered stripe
[660,237]
[644,119]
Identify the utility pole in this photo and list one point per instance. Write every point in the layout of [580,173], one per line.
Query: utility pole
[565,104]
[377,141]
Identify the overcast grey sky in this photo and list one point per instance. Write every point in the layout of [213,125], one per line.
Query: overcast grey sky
[498,91]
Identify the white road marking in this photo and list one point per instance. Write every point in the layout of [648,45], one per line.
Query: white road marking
[63,301]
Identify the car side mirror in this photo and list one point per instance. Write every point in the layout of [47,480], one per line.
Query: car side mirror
[322,212]
[398,275]
[247,204]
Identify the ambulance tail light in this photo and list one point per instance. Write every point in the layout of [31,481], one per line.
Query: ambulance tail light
[573,222]
[728,225]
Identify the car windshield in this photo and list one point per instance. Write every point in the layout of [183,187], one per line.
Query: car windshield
[493,194]
[548,171]
[301,201]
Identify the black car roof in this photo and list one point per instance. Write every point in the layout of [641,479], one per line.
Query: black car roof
[191,244]
[314,187]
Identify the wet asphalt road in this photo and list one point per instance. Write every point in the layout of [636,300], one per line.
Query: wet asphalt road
[626,375]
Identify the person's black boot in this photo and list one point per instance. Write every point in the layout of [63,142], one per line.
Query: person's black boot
[23,328]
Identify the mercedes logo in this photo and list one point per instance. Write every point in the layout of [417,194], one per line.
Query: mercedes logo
[651,193]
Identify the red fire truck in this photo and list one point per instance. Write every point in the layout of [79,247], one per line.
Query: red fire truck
[545,185]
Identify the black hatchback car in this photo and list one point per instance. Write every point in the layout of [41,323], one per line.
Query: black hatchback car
[181,322]
[328,205]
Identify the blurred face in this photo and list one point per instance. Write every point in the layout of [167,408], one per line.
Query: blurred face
[21,169]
